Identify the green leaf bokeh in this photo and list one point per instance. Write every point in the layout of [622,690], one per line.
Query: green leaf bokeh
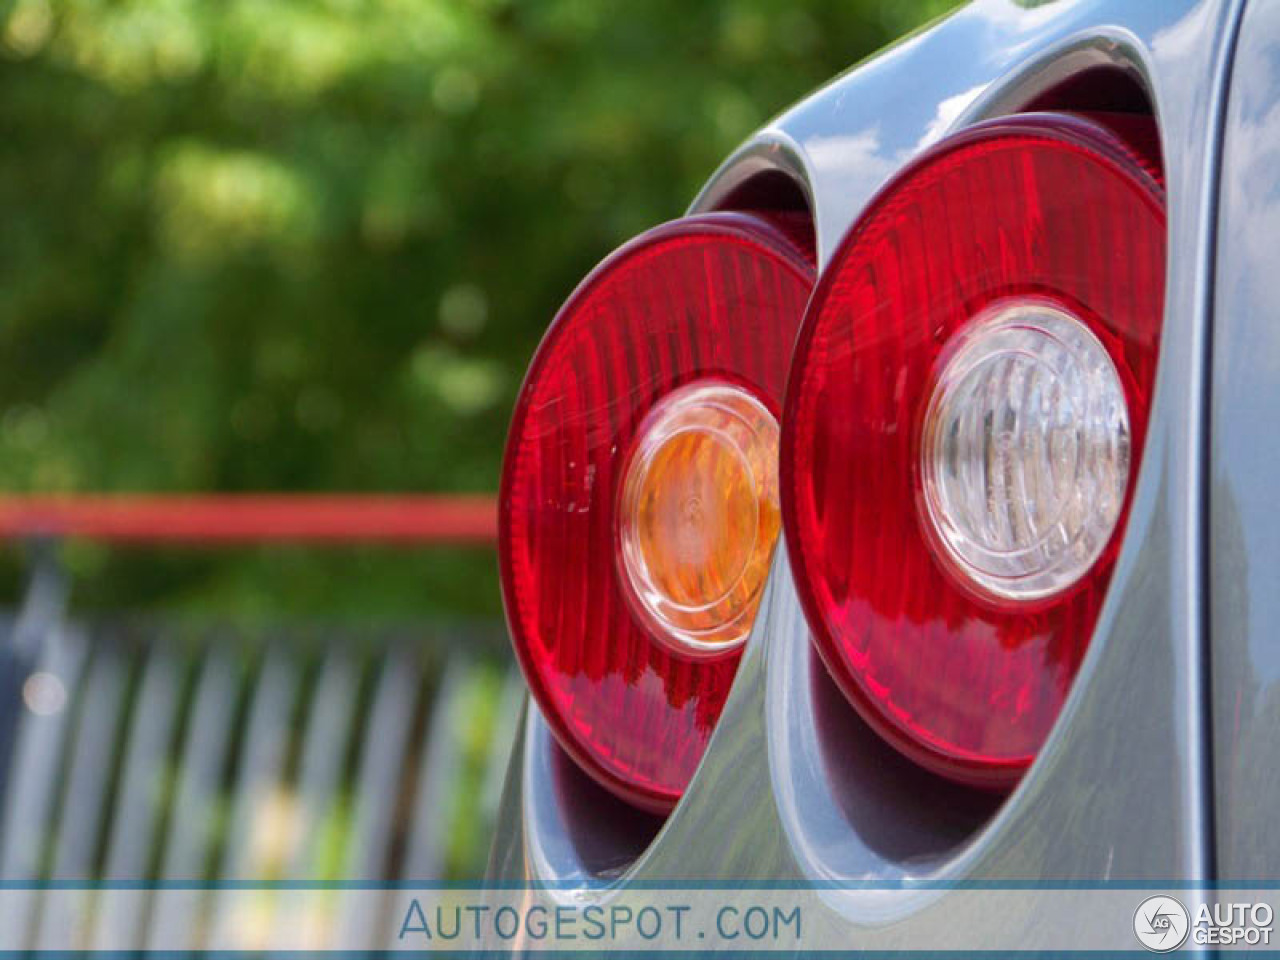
[310,245]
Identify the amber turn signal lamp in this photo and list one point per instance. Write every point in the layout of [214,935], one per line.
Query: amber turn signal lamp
[699,516]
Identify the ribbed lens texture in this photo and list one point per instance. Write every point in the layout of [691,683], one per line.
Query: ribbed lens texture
[1025,451]
[1050,212]
[713,299]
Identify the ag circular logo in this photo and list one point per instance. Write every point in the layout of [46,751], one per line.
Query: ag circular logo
[1161,924]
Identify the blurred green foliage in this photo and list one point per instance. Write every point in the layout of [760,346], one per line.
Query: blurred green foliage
[310,245]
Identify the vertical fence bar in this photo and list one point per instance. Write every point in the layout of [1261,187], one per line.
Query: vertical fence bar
[382,758]
[251,832]
[138,811]
[85,794]
[176,915]
[42,735]
[437,777]
[43,606]
[331,723]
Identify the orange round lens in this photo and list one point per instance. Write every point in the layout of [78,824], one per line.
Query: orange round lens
[699,516]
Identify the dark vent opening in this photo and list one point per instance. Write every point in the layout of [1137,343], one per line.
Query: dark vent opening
[1115,98]
[774,196]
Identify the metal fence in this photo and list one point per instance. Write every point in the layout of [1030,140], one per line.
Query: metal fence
[153,753]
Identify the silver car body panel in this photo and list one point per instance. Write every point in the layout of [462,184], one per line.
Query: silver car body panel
[1244,546]
[792,788]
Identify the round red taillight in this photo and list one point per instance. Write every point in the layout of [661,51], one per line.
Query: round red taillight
[639,494]
[966,410]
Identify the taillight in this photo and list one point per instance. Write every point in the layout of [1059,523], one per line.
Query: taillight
[965,415]
[639,502]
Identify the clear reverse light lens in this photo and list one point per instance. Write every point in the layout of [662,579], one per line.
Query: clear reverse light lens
[1024,452]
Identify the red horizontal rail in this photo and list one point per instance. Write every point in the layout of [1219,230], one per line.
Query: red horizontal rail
[254,518]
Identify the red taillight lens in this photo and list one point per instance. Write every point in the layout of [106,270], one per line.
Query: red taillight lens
[639,493]
[966,408]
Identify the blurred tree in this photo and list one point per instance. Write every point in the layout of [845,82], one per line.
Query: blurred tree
[311,244]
